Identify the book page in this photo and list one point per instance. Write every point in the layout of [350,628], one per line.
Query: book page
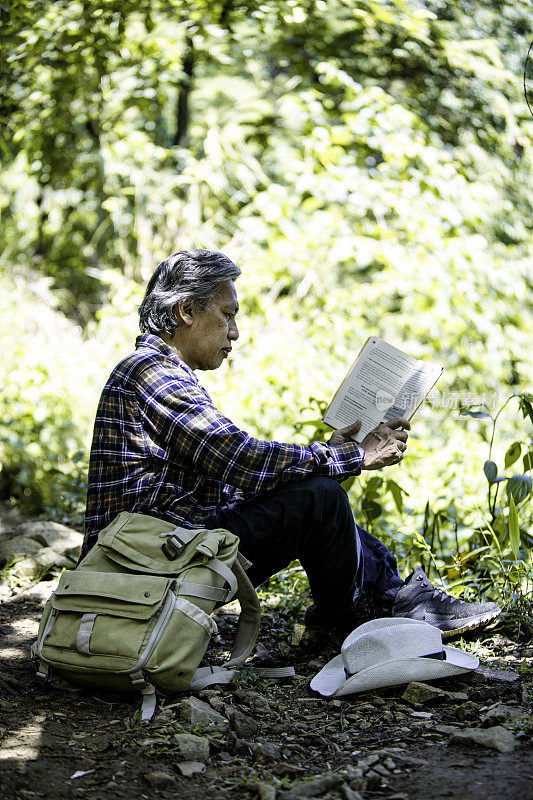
[380,383]
[380,368]
[413,392]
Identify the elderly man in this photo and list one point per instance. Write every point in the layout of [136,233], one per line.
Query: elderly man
[161,447]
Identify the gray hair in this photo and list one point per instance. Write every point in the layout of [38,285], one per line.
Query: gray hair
[193,275]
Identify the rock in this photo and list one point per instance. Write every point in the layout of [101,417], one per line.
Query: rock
[367,762]
[164,717]
[265,791]
[39,591]
[26,569]
[497,738]
[240,747]
[19,546]
[314,788]
[265,752]
[197,712]
[5,591]
[217,703]
[468,710]
[350,794]
[445,729]
[484,674]
[356,779]
[421,693]
[52,534]
[39,563]
[502,713]
[245,727]
[159,779]
[458,697]
[352,772]
[191,747]
[190,768]
[374,781]
[255,701]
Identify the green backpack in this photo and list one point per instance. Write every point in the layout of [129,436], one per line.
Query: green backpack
[135,614]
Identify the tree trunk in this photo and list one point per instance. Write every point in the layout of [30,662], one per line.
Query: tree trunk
[182,110]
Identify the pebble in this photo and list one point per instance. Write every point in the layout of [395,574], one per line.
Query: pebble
[367,762]
[421,693]
[217,703]
[446,729]
[265,791]
[256,702]
[244,726]
[159,779]
[350,794]
[373,781]
[191,747]
[190,768]
[314,788]
[468,710]
[265,752]
[197,712]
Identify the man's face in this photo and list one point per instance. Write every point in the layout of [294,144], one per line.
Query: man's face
[211,332]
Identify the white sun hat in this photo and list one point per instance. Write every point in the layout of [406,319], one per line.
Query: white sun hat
[388,652]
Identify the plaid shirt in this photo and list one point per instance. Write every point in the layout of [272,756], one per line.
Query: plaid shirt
[161,447]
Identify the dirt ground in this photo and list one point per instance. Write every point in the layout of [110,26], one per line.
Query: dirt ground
[278,737]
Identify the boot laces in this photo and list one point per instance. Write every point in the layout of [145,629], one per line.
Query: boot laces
[440,593]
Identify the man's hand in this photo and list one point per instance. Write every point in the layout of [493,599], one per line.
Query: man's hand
[343,435]
[386,444]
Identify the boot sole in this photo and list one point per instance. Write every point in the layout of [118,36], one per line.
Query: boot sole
[457,626]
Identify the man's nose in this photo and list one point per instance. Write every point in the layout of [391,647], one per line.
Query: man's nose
[233,332]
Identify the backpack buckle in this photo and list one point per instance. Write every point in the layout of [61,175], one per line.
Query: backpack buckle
[172,547]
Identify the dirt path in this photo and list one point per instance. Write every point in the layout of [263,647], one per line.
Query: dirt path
[271,739]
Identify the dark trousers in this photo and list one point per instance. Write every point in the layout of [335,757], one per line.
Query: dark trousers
[312,521]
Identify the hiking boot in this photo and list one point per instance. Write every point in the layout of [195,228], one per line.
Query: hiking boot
[340,626]
[419,599]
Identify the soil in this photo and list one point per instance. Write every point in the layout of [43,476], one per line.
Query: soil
[377,745]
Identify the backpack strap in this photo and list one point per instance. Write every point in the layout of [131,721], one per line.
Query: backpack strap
[249,619]
[245,638]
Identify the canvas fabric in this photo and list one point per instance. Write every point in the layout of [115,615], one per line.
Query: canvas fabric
[135,614]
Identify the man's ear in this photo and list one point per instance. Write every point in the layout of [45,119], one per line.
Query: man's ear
[183,312]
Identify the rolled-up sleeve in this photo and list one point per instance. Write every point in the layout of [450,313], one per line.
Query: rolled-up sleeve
[182,424]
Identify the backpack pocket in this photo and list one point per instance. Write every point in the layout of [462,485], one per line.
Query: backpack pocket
[115,630]
[99,625]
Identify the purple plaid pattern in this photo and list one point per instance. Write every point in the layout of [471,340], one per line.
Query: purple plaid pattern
[160,447]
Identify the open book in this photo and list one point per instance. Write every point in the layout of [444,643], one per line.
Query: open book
[382,383]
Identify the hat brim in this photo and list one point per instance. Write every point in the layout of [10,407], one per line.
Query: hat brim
[331,681]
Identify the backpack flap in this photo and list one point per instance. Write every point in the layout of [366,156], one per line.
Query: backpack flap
[119,595]
[101,626]
[142,543]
